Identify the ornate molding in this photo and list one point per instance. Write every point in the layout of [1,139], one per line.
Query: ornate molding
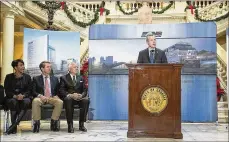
[9,14]
[214,12]
[13,6]
[60,19]
[222,71]
[222,25]
[145,14]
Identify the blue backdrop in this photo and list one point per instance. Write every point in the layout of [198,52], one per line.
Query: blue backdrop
[113,45]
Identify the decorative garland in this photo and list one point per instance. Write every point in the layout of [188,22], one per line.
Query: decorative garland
[136,10]
[164,9]
[70,16]
[123,11]
[82,24]
[197,17]
[44,6]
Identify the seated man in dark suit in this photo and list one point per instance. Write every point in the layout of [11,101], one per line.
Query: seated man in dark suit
[151,54]
[2,97]
[17,88]
[45,91]
[73,91]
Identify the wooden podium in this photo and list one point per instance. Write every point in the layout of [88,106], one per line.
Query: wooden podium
[154,100]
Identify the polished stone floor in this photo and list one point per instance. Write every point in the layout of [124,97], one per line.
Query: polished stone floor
[115,131]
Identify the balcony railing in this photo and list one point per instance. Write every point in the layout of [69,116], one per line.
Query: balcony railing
[201,3]
[222,71]
[134,6]
[92,6]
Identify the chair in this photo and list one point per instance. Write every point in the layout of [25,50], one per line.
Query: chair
[46,107]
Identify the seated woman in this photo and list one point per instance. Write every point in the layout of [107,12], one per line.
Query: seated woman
[17,88]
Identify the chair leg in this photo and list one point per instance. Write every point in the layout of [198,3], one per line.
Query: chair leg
[31,120]
[31,123]
[6,121]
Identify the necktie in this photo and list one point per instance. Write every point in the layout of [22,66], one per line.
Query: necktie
[151,56]
[47,93]
[74,80]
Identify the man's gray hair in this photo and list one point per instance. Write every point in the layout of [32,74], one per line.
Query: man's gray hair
[148,35]
[72,63]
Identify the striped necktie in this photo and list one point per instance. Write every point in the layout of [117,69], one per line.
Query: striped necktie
[47,93]
[74,80]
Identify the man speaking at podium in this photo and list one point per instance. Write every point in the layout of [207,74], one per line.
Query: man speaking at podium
[151,54]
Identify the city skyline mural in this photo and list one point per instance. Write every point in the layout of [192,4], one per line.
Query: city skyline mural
[110,56]
[57,47]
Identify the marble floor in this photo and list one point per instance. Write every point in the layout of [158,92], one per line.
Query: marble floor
[114,131]
[111,131]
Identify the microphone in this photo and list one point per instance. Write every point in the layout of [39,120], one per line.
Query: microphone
[152,51]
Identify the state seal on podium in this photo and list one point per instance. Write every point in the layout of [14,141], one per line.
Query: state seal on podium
[154,100]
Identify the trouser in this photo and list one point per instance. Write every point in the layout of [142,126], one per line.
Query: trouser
[36,107]
[69,108]
[18,109]
[18,105]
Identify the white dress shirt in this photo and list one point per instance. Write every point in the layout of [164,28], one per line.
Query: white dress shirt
[72,76]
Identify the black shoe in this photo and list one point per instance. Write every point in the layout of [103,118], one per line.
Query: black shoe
[56,125]
[70,127]
[15,130]
[81,127]
[11,130]
[52,125]
[36,126]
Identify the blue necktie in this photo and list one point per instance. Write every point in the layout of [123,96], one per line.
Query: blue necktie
[151,56]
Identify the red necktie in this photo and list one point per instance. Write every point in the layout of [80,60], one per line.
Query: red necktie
[47,93]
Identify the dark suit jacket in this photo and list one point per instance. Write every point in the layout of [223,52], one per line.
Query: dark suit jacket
[9,85]
[159,56]
[67,87]
[38,85]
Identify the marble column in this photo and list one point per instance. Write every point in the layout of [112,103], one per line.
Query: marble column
[227,44]
[8,44]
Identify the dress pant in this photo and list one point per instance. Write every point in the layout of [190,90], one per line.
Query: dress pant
[18,105]
[69,107]
[36,107]
[18,109]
